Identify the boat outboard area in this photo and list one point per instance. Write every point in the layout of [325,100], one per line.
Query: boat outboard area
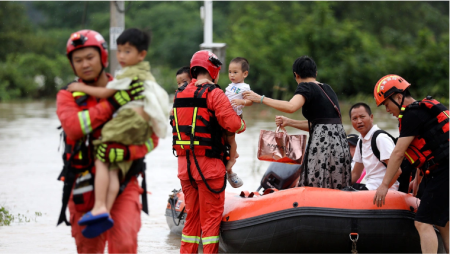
[175,212]
[283,218]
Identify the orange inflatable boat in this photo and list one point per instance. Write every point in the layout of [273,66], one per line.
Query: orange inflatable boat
[286,219]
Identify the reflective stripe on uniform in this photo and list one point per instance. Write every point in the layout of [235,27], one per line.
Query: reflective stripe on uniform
[85,121]
[194,118]
[410,159]
[242,127]
[84,176]
[210,240]
[82,190]
[190,239]
[78,94]
[176,125]
[149,144]
[186,143]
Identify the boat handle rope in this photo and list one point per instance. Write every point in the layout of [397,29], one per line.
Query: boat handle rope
[354,251]
[174,212]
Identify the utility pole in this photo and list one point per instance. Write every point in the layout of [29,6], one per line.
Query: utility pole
[206,13]
[116,27]
[208,23]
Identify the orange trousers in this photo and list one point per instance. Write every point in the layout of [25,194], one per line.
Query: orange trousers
[122,237]
[204,213]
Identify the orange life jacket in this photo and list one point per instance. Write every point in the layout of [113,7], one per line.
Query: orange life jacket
[78,157]
[195,128]
[432,146]
[81,153]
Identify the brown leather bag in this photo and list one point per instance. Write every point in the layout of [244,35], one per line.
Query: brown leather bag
[280,147]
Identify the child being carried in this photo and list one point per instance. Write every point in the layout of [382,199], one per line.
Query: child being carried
[237,72]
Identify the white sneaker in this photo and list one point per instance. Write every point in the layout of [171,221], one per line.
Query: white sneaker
[234,180]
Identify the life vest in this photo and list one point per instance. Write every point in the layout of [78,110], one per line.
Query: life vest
[194,126]
[81,153]
[430,147]
[196,130]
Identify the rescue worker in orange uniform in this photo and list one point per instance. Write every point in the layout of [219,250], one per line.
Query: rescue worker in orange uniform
[424,141]
[200,115]
[82,117]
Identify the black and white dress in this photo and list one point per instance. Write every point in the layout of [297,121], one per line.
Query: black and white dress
[328,161]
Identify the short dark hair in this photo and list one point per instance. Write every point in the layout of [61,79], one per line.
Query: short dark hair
[184,69]
[245,66]
[357,105]
[305,67]
[135,37]
[196,70]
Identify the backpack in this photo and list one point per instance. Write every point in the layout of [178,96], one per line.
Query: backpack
[373,144]
[407,169]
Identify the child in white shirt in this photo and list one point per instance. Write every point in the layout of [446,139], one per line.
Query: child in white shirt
[237,72]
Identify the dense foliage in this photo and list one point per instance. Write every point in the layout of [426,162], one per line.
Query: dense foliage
[353,43]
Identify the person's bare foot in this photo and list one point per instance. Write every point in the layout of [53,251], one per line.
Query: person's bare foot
[99,210]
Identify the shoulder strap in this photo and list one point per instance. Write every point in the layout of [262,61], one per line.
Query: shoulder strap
[335,107]
[69,178]
[81,99]
[360,147]
[138,167]
[373,143]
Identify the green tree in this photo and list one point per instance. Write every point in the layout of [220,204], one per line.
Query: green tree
[14,26]
[69,14]
[353,43]
[31,75]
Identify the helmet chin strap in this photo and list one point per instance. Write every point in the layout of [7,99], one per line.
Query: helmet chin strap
[399,105]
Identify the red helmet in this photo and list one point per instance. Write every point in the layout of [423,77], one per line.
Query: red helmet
[207,60]
[88,38]
[387,86]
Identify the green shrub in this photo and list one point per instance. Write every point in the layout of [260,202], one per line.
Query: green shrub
[33,76]
[5,217]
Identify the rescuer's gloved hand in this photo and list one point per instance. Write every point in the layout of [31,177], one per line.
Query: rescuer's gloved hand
[113,152]
[134,92]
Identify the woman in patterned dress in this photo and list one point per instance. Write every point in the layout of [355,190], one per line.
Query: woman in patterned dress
[328,161]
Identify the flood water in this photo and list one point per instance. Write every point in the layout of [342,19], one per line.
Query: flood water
[30,163]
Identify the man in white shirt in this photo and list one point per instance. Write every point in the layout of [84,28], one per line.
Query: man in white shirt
[362,120]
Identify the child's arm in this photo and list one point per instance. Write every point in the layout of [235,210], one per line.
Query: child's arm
[203,81]
[244,102]
[97,92]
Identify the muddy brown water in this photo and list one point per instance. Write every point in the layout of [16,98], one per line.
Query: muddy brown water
[30,163]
